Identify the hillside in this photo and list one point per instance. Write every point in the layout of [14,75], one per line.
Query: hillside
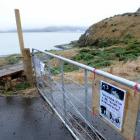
[112,44]
[112,40]
[113,30]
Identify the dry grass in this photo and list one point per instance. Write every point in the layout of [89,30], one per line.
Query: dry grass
[65,53]
[123,24]
[30,92]
[129,70]
[113,28]
[2,62]
[78,76]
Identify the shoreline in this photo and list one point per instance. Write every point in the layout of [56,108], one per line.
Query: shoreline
[57,48]
[6,55]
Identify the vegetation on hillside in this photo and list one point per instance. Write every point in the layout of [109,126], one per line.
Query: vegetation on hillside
[107,56]
[104,55]
[111,40]
[13,59]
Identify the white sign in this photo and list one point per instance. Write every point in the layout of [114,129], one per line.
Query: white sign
[42,67]
[112,102]
[39,66]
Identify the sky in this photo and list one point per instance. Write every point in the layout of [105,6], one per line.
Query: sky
[42,13]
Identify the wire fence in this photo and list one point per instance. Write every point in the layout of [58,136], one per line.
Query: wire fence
[68,89]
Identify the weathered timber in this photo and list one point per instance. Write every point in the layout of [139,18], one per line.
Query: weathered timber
[27,63]
[11,69]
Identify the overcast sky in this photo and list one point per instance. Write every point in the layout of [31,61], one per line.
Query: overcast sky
[40,13]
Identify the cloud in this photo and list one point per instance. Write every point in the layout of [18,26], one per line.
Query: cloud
[62,12]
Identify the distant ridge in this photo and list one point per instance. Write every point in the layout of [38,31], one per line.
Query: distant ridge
[64,28]
[53,29]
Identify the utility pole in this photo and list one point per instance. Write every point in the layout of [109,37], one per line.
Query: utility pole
[25,52]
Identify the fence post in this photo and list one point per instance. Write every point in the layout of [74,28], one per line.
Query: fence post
[63,87]
[86,92]
[50,79]
[27,62]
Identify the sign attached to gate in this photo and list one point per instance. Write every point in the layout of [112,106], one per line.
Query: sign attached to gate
[112,103]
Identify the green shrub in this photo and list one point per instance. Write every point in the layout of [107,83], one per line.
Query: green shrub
[77,57]
[104,43]
[22,86]
[105,57]
[107,42]
[134,45]
[84,50]
[84,55]
[94,52]
[127,38]
[130,57]
[69,67]
[103,63]
[55,70]
[12,59]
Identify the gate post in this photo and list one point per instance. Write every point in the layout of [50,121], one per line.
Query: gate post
[26,56]
[27,62]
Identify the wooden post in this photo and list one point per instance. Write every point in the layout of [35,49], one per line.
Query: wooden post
[28,66]
[27,61]
[19,30]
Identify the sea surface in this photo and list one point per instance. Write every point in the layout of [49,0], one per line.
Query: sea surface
[9,43]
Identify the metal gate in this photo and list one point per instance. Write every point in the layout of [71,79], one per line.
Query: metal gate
[70,94]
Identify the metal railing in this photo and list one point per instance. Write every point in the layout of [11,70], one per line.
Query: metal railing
[71,99]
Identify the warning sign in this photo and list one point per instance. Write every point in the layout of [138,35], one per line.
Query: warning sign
[112,102]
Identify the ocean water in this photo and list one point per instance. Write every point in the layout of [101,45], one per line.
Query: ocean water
[9,43]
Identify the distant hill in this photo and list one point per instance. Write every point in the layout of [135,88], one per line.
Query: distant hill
[54,29]
[64,29]
[112,30]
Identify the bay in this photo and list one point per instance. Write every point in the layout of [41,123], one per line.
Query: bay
[43,41]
